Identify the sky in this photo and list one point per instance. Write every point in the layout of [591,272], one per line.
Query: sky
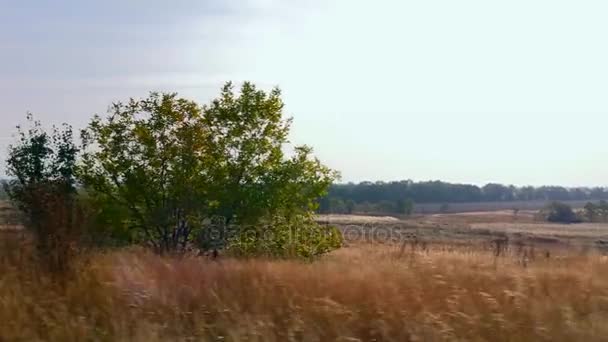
[469,91]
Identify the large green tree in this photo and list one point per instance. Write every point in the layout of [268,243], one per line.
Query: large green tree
[160,166]
[251,176]
[143,166]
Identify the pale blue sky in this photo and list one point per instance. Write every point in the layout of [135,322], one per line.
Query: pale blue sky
[464,91]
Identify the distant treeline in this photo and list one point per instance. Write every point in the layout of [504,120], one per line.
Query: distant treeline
[400,196]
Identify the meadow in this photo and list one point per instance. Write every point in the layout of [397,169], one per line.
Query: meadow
[430,286]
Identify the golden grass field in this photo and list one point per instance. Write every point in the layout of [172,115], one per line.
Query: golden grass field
[366,291]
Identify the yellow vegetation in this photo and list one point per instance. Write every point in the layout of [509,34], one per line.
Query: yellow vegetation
[359,293]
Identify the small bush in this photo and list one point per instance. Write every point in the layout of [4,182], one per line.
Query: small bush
[42,186]
[560,213]
[298,236]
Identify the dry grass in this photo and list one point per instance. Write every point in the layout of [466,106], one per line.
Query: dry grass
[583,230]
[535,205]
[359,293]
[480,226]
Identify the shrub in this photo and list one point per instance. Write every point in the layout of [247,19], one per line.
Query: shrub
[596,212]
[559,212]
[405,206]
[297,236]
[42,187]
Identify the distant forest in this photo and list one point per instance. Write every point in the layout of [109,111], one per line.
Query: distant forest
[400,197]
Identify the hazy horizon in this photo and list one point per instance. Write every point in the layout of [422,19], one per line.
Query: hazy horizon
[466,92]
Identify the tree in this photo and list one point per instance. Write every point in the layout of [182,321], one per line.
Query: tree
[590,211]
[442,192]
[167,164]
[602,209]
[350,206]
[143,166]
[497,192]
[560,212]
[42,185]
[405,206]
[251,175]
[385,207]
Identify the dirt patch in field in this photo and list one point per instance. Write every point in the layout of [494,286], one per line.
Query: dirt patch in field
[501,216]
[355,219]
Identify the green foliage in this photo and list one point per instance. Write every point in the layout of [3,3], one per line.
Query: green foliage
[42,185]
[559,212]
[339,206]
[350,206]
[590,210]
[386,207]
[40,165]
[40,159]
[369,196]
[405,207]
[336,205]
[294,236]
[596,212]
[143,167]
[251,176]
[158,167]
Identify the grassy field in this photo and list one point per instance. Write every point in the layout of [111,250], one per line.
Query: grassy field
[434,208]
[478,228]
[443,282]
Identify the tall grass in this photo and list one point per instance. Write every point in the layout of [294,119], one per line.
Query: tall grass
[358,293]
